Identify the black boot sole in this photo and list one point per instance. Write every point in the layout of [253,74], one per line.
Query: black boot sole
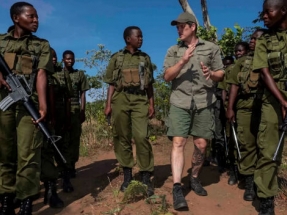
[200,194]
[248,198]
[181,205]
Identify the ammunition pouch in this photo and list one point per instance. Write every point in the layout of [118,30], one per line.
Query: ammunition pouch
[130,77]
[276,64]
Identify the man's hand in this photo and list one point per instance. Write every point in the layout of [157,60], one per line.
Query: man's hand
[230,115]
[206,71]
[151,111]
[3,82]
[188,53]
[108,110]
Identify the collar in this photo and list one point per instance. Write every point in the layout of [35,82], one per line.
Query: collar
[199,42]
[125,50]
[10,35]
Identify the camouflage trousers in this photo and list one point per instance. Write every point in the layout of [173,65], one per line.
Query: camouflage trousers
[64,143]
[130,120]
[20,153]
[265,174]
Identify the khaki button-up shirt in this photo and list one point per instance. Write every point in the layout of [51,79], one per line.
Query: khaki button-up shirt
[190,84]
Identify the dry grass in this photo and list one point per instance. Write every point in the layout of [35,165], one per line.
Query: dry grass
[95,136]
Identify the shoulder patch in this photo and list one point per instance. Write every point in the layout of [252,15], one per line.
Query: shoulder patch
[34,37]
[115,53]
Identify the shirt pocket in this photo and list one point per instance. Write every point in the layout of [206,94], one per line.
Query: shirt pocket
[204,56]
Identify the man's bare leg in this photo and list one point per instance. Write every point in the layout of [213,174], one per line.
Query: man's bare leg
[177,158]
[197,162]
[198,155]
[177,164]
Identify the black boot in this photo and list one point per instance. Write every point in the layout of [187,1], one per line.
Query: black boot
[127,178]
[146,180]
[197,187]
[249,194]
[266,206]
[73,172]
[7,205]
[51,197]
[233,179]
[67,185]
[179,201]
[25,207]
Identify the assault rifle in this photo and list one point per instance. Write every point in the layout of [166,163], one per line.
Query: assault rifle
[235,139]
[21,91]
[225,141]
[283,127]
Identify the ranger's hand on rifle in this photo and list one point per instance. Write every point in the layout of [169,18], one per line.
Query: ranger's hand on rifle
[108,110]
[230,115]
[3,82]
[284,108]
[43,114]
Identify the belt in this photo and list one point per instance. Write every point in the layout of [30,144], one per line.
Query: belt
[134,91]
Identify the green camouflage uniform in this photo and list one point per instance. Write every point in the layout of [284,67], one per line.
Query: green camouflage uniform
[248,105]
[270,52]
[130,108]
[224,85]
[79,84]
[61,83]
[20,139]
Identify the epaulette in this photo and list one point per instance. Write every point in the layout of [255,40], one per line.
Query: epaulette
[143,54]
[34,37]
[116,52]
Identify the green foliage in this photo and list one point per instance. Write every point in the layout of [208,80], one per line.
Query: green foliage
[230,38]
[227,40]
[134,190]
[97,59]
[162,92]
[209,35]
[162,208]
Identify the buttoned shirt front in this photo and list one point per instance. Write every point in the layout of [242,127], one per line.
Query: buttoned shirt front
[190,84]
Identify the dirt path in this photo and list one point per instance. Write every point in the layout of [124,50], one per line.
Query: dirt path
[98,180]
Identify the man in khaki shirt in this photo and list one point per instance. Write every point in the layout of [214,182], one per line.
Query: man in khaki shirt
[192,66]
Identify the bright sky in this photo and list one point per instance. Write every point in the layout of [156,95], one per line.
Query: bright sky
[80,25]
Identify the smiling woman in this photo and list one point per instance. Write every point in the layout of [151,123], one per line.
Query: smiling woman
[20,148]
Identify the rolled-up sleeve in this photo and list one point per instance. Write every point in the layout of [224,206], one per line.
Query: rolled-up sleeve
[260,56]
[109,71]
[169,59]
[216,63]
[45,58]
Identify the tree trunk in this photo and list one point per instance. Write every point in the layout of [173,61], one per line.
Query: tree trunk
[186,8]
[205,14]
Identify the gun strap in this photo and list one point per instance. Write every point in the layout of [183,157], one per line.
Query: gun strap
[34,72]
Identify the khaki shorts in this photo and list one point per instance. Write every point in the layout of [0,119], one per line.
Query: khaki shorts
[197,123]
